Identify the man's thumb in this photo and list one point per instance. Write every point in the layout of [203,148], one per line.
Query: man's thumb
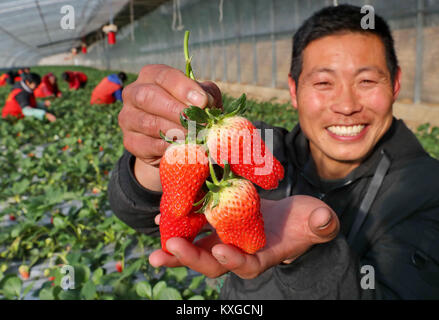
[323,223]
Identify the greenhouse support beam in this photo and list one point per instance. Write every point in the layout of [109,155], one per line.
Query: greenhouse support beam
[417,95]
[273,46]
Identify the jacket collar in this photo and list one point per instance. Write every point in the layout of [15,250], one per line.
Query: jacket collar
[25,86]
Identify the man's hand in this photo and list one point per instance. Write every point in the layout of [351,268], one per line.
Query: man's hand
[292,226]
[153,103]
[50,117]
[47,103]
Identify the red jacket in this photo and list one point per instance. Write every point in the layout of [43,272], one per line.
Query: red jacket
[12,107]
[3,79]
[76,79]
[46,89]
[103,93]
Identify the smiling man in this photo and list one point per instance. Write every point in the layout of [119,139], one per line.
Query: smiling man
[357,214]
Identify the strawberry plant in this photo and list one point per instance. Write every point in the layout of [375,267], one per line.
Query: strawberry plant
[54,209]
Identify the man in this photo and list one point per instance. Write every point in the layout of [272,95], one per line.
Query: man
[76,79]
[355,217]
[109,90]
[21,101]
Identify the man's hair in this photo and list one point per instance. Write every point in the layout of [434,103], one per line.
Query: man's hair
[65,76]
[122,76]
[335,20]
[32,78]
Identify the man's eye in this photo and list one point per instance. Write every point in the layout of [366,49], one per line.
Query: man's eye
[367,81]
[322,83]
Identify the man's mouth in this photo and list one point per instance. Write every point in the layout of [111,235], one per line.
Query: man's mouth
[347,131]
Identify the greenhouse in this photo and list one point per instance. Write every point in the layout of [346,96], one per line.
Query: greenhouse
[219,150]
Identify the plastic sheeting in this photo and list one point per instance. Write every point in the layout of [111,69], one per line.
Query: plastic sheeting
[249,41]
[32,29]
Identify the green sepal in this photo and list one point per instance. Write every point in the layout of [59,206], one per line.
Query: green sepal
[237,106]
[184,121]
[196,114]
[212,186]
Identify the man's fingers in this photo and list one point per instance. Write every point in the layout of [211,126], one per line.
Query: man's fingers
[175,82]
[136,120]
[144,147]
[160,258]
[244,265]
[154,100]
[324,224]
[195,258]
[215,97]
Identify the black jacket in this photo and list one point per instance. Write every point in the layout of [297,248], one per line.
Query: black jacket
[388,246]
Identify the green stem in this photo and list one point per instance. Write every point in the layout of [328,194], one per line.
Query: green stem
[186,45]
[189,71]
[212,173]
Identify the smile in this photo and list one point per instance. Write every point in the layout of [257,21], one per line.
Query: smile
[346,131]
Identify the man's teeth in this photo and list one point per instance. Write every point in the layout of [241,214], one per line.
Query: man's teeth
[346,130]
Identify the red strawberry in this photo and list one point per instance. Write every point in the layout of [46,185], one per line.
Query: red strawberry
[12,217]
[232,207]
[186,226]
[235,140]
[119,266]
[24,272]
[183,170]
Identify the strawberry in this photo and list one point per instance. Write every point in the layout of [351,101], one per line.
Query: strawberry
[119,266]
[183,170]
[234,139]
[24,272]
[232,207]
[183,226]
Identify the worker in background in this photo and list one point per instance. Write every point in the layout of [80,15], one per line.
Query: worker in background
[48,87]
[21,101]
[75,79]
[11,76]
[109,90]
[4,79]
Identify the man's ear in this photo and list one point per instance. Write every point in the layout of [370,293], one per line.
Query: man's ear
[292,86]
[397,84]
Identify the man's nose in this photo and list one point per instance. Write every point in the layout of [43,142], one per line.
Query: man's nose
[347,102]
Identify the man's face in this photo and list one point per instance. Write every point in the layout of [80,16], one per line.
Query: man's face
[344,99]
[31,85]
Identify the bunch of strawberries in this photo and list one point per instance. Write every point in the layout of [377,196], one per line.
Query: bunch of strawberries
[192,193]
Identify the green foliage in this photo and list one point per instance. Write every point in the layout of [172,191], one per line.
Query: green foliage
[429,137]
[58,198]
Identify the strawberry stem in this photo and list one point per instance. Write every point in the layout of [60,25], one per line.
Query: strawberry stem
[165,138]
[212,173]
[189,71]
